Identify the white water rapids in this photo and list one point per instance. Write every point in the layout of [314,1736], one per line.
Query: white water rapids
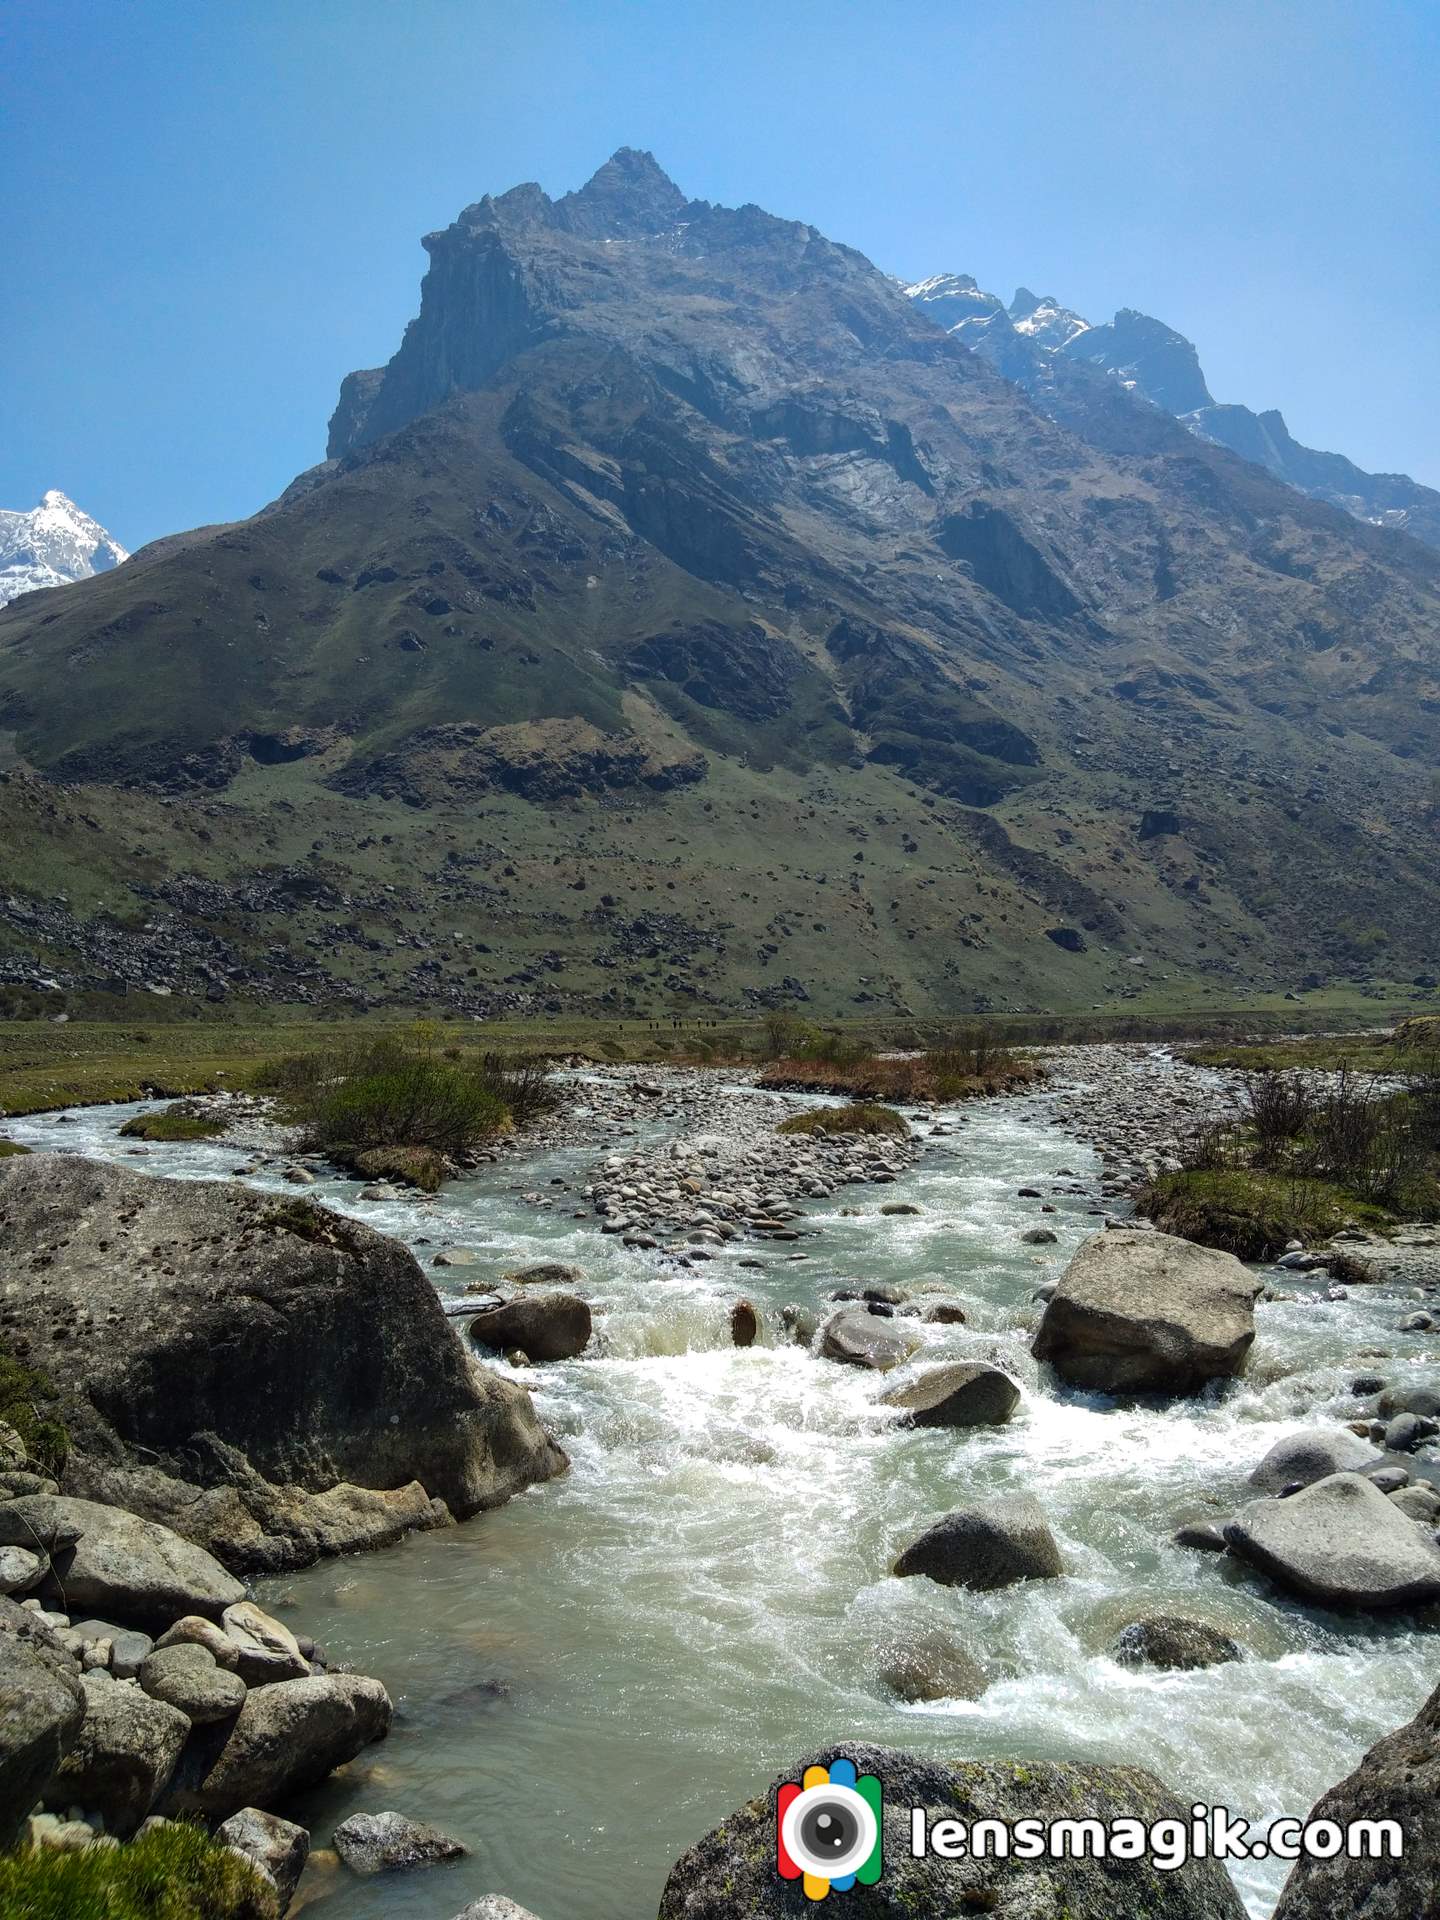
[591,1677]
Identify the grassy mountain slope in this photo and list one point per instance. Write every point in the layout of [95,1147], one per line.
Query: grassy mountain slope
[681,619]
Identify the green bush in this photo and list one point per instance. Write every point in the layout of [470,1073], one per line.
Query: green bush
[24,1397]
[180,1122]
[860,1118]
[1252,1214]
[175,1872]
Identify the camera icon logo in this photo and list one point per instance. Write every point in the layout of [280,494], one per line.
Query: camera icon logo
[827,1829]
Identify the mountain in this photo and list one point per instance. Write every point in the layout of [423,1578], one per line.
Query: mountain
[51,545]
[1158,364]
[681,620]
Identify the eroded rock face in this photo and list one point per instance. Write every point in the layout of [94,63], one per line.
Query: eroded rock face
[1340,1541]
[730,1874]
[1399,1779]
[1147,1313]
[265,1378]
[41,1708]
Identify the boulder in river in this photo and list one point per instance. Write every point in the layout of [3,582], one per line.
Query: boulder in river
[1340,1541]
[495,1906]
[1300,1459]
[863,1339]
[992,1544]
[1399,1780]
[41,1708]
[963,1394]
[392,1843]
[730,1873]
[269,1379]
[1148,1313]
[1173,1641]
[544,1326]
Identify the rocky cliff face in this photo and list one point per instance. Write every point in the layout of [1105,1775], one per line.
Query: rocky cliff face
[51,545]
[683,530]
[266,1379]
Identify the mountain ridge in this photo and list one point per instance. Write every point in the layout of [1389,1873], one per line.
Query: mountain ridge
[51,545]
[681,618]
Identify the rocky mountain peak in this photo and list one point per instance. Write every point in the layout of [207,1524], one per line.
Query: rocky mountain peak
[630,194]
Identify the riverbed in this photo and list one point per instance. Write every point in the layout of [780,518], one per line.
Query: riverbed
[591,1677]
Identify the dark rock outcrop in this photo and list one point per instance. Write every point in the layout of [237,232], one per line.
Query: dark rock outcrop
[730,1874]
[267,1379]
[1399,1779]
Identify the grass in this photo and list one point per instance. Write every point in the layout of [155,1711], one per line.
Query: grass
[852,1119]
[25,1397]
[180,1122]
[1319,1053]
[10,1148]
[1251,1214]
[175,1872]
[942,1076]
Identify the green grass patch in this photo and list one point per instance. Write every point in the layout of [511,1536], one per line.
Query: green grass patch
[9,1149]
[174,1872]
[1251,1214]
[180,1122]
[26,1400]
[860,1118]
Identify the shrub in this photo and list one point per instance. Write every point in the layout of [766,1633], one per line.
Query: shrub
[1280,1108]
[180,1122]
[1252,1215]
[24,1397]
[859,1118]
[175,1872]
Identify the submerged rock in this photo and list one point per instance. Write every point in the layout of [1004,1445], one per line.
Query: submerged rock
[992,1544]
[1172,1640]
[730,1874]
[273,1382]
[1147,1313]
[1399,1780]
[930,1666]
[1340,1541]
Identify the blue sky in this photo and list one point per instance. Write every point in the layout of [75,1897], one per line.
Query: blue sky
[212,211]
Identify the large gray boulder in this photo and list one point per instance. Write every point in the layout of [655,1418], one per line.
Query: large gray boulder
[965,1394]
[1399,1779]
[286,1736]
[41,1707]
[1300,1459]
[1147,1313]
[861,1339]
[1340,1541]
[730,1874]
[992,1544]
[186,1677]
[124,1754]
[127,1568]
[544,1325]
[275,1847]
[267,1378]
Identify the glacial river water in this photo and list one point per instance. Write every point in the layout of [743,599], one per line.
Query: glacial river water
[591,1677]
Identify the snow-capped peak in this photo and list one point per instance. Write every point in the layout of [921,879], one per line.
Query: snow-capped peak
[52,545]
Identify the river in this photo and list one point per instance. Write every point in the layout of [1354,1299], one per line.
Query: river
[589,1678]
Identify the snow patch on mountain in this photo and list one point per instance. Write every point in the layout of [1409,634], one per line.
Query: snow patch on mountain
[52,545]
